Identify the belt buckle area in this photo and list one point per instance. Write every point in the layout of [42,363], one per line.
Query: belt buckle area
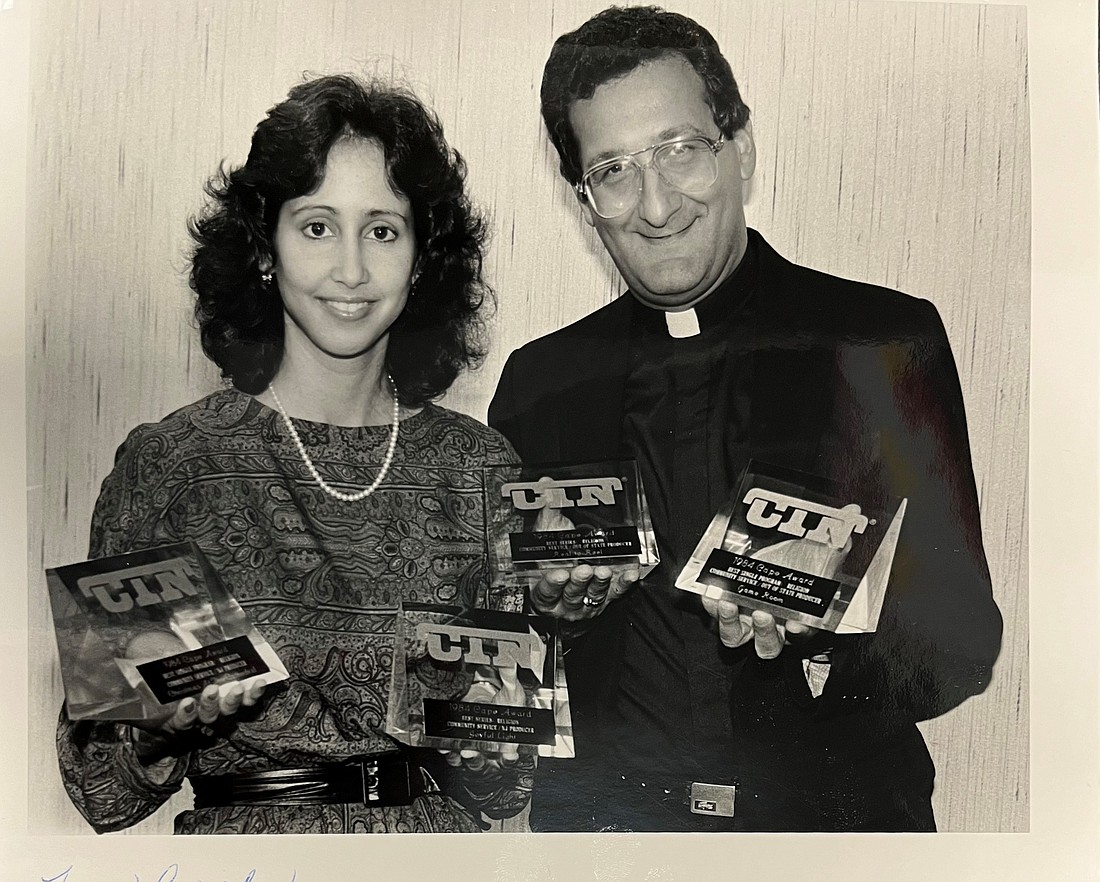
[716,800]
[385,780]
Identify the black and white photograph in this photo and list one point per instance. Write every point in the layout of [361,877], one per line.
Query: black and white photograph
[299,276]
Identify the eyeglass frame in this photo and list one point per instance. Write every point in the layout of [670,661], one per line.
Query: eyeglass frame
[581,187]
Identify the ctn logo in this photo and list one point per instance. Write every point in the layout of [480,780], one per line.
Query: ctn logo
[117,592]
[449,643]
[566,493]
[834,529]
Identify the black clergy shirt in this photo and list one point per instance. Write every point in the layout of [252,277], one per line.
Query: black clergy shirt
[686,417]
[663,709]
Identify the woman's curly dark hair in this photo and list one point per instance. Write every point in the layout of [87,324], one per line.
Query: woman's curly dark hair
[614,43]
[240,318]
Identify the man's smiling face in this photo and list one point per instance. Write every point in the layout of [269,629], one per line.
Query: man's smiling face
[672,248]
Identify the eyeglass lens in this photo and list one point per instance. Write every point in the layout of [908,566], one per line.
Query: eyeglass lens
[688,166]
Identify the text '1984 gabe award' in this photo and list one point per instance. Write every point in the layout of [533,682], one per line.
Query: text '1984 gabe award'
[797,546]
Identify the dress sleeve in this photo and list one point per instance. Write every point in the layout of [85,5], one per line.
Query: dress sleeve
[101,773]
[940,630]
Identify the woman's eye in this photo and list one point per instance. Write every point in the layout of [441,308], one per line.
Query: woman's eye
[316,230]
[382,234]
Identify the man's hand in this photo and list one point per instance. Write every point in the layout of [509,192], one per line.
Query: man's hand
[156,740]
[583,591]
[768,634]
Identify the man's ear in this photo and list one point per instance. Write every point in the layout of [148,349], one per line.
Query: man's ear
[746,150]
[586,209]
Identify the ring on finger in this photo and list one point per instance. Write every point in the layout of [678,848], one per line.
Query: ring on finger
[589,600]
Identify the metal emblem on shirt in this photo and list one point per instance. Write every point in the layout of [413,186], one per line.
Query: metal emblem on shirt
[712,799]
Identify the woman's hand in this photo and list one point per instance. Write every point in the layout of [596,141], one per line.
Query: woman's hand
[499,783]
[194,718]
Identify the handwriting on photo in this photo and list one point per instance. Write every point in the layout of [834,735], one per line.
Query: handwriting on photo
[169,874]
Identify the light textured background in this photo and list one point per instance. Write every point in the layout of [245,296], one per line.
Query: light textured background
[893,148]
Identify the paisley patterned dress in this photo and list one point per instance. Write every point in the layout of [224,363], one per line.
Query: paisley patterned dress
[320,578]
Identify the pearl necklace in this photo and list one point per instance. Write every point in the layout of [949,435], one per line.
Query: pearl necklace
[321,482]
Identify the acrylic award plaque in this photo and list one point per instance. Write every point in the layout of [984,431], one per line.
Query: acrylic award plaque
[137,632]
[550,516]
[478,679]
[790,544]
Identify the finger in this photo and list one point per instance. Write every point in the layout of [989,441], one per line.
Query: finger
[548,590]
[509,753]
[796,632]
[187,712]
[597,592]
[511,690]
[543,520]
[229,698]
[601,583]
[481,691]
[577,586]
[474,760]
[253,691]
[710,604]
[766,635]
[208,704]
[731,625]
[551,520]
[624,580]
[796,629]
[452,757]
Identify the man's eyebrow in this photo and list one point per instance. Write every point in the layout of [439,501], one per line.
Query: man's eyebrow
[669,134]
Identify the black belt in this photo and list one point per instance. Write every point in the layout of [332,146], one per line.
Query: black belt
[376,781]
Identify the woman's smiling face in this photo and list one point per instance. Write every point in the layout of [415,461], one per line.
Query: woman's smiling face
[345,255]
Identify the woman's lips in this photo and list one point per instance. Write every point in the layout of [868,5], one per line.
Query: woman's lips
[348,309]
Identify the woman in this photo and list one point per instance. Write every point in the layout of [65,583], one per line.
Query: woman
[338,283]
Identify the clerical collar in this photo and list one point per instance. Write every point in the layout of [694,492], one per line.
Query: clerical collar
[682,324]
[723,303]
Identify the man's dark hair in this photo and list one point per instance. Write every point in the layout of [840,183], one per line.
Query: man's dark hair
[614,43]
[240,318]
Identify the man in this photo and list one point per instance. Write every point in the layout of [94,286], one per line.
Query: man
[692,717]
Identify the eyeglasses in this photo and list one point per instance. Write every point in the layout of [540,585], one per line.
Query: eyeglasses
[614,186]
